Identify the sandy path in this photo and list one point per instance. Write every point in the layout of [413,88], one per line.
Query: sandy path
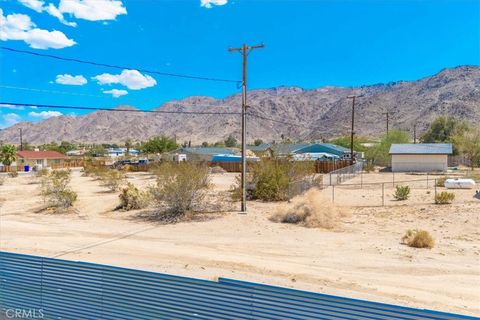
[363,259]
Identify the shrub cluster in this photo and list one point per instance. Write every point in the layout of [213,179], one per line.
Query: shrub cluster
[441,181]
[401,193]
[180,187]
[132,198]
[112,179]
[418,239]
[270,179]
[55,190]
[444,197]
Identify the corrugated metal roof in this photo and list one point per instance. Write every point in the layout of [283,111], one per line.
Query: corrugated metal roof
[73,290]
[261,147]
[421,148]
[208,150]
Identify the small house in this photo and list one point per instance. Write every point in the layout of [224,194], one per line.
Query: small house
[120,152]
[40,159]
[421,157]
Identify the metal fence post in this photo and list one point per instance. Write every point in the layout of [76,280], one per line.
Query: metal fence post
[361,179]
[393,177]
[427,180]
[435,184]
[383,194]
[333,193]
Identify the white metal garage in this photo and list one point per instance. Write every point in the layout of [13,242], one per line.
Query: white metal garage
[421,157]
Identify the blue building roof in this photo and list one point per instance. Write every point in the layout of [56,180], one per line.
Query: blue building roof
[421,148]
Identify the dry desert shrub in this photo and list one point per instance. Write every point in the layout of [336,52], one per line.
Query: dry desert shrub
[180,189]
[112,179]
[418,239]
[2,180]
[55,189]
[311,210]
[131,198]
[441,181]
[13,174]
[444,197]
[217,169]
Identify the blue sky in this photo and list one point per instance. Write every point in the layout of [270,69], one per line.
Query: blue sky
[307,43]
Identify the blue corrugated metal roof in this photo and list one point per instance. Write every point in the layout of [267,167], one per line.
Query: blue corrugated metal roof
[421,148]
[73,290]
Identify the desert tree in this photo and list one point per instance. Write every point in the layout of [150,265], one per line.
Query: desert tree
[8,154]
[468,143]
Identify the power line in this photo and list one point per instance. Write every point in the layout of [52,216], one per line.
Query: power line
[115,110]
[53,91]
[118,67]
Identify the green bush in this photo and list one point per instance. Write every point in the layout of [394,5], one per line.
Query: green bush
[13,174]
[271,179]
[180,187]
[55,189]
[132,198]
[402,193]
[444,197]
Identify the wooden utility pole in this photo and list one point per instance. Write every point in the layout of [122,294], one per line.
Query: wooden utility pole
[415,132]
[244,50]
[353,124]
[387,114]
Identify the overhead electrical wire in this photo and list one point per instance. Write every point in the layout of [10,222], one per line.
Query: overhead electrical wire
[52,91]
[168,74]
[116,110]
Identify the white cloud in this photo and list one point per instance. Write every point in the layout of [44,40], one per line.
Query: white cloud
[93,10]
[21,27]
[68,79]
[131,79]
[45,114]
[116,92]
[11,106]
[10,119]
[210,3]
[55,12]
[36,5]
[39,6]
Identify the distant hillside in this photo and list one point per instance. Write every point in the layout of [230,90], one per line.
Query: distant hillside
[320,113]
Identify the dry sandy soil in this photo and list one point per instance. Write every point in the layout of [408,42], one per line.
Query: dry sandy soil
[362,258]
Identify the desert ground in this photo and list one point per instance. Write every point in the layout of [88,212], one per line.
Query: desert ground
[360,258]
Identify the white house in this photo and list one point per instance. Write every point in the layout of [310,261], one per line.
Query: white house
[421,157]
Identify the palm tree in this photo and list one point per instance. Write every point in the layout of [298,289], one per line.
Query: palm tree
[8,154]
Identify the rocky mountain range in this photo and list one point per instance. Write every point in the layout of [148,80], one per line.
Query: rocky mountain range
[293,112]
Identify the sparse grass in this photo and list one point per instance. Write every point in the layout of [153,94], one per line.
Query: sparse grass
[401,193]
[444,197]
[418,239]
[131,198]
[2,180]
[310,210]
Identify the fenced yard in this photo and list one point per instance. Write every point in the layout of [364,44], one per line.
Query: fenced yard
[377,189]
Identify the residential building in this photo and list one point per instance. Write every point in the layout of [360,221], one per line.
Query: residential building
[40,159]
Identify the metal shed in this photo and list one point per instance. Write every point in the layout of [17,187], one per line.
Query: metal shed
[421,157]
